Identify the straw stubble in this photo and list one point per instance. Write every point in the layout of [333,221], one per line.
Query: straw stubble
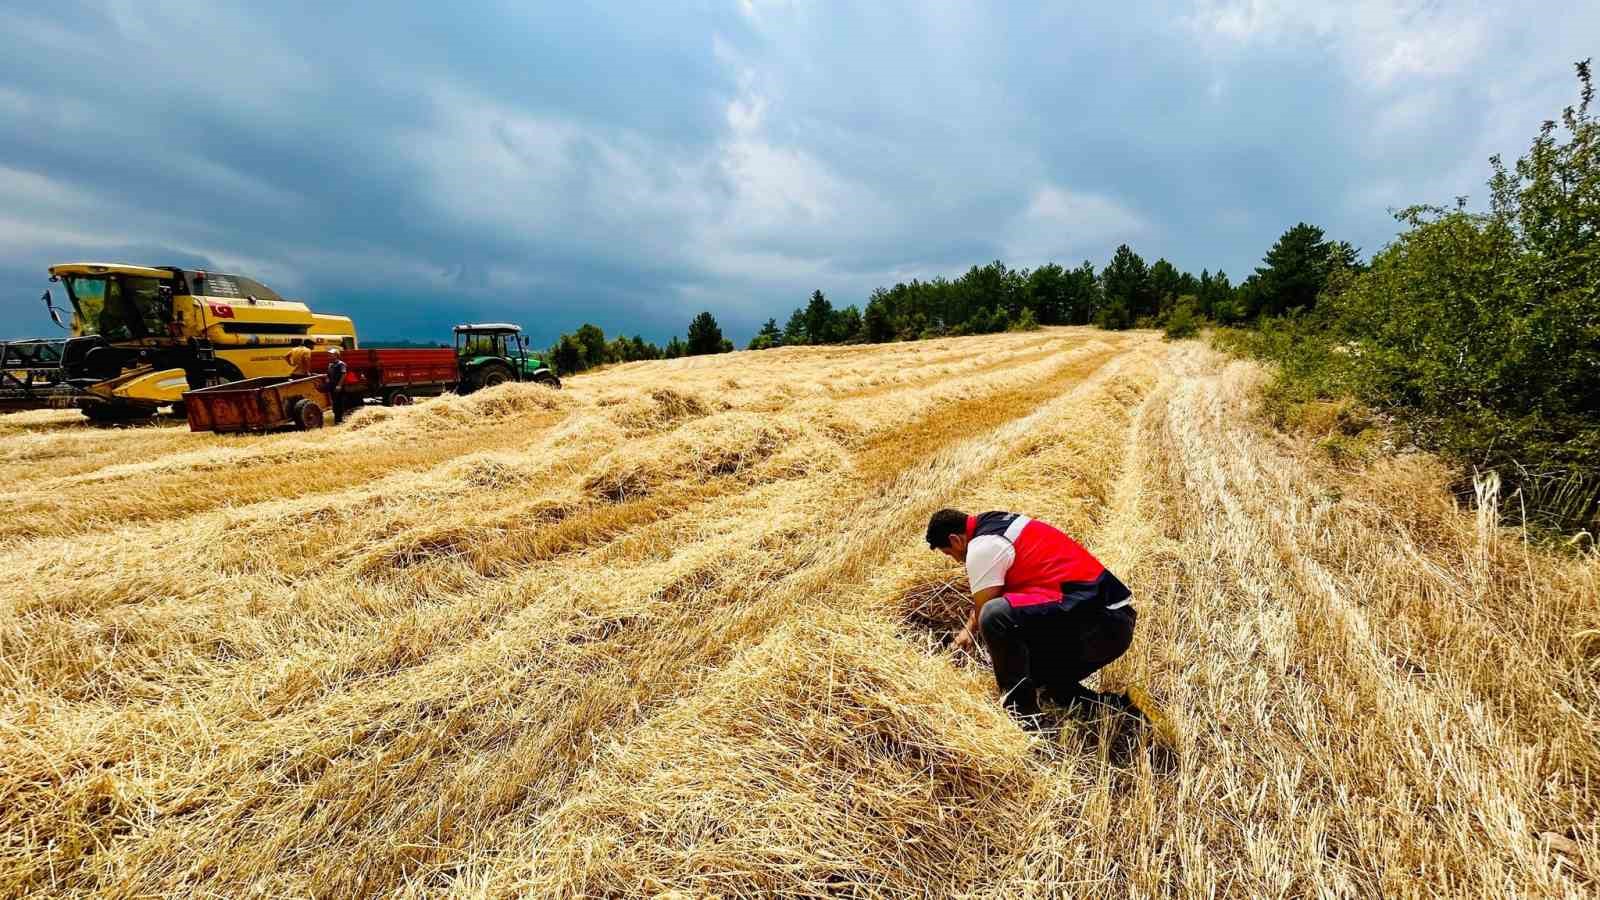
[672,630]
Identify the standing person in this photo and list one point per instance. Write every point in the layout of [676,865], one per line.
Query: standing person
[299,359]
[336,373]
[1049,612]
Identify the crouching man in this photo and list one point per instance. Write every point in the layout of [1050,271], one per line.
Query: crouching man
[1049,612]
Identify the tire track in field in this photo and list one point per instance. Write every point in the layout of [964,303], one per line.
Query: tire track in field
[887,455]
[1032,351]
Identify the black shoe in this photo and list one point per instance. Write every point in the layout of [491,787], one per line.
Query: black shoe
[1116,702]
[1022,702]
[1074,699]
[1092,704]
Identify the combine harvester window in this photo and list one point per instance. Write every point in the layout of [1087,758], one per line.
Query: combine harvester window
[120,308]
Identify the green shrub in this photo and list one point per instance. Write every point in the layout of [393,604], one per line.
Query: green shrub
[1479,331]
[1182,321]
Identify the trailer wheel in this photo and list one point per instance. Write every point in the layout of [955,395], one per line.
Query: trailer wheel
[397,398]
[308,415]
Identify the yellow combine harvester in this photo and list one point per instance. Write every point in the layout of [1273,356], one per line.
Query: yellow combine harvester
[142,336]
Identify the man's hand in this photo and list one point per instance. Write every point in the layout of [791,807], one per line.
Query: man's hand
[962,640]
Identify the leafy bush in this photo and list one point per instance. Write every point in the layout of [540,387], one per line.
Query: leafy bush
[1480,330]
[1182,322]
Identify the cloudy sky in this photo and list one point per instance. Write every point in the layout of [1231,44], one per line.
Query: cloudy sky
[414,164]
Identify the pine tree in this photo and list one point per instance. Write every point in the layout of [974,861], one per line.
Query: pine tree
[846,324]
[1084,297]
[1294,271]
[768,337]
[1047,294]
[705,336]
[794,333]
[1125,284]
[1165,285]
[876,321]
[819,319]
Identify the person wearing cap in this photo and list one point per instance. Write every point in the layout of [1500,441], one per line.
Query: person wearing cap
[1049,612]
[336,372]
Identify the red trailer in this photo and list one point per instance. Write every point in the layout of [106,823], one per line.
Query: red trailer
[394,375]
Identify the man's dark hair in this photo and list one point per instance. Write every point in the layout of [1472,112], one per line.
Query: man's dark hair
[944,525]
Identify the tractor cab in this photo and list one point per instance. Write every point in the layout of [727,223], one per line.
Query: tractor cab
[492,353]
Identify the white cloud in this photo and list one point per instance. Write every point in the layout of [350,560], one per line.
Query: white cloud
[1061,224]
[544,178]
[746,209]
[774,187]
[1380,41]
[40,193]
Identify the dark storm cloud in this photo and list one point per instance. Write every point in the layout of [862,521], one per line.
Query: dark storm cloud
[416,164]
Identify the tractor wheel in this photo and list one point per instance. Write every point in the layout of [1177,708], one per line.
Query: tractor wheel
[493,374]
[307,415]
[548,379]
[397,397]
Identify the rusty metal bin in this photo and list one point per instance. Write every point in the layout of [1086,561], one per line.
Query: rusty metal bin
[258,404]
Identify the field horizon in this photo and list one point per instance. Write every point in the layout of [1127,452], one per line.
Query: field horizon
[672,631]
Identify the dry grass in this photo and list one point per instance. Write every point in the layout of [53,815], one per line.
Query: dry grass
[668,631]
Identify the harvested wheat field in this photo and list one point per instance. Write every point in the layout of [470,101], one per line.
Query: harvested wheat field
[673,630]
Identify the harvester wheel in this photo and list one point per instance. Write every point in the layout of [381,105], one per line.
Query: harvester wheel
[397,398]
[308,415]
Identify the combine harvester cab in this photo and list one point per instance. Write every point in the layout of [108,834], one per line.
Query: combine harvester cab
[143,336]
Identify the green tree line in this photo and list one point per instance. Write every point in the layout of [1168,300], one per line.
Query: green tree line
[587,347]
[1126,293]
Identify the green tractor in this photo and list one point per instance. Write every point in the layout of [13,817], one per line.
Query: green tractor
[494,353]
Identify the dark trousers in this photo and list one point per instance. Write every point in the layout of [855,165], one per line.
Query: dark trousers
[338,400]
[1048,647]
